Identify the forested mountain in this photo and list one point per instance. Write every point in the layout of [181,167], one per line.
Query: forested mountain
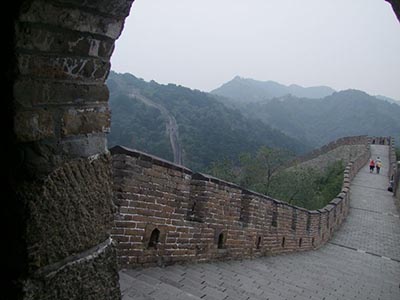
[387,99]
[152,117]
[245,90]
[195,128]
[316,115]
[319,121]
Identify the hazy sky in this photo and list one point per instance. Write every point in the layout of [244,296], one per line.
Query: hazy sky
[202,44]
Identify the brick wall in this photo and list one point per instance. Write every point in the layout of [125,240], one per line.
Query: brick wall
[394,169]
[168,214]
[397,182]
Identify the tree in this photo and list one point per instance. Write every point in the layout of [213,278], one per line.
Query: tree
[253,171]
[270,161]
[297,186]
[223,169]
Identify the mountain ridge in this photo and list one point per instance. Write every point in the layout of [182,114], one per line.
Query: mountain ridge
[319,121]
[250,90]
[267,90]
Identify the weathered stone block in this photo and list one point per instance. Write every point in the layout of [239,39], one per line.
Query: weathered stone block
[63,68]
[84,146]
[64,42]
[30,92]
[34,125]
[84,121]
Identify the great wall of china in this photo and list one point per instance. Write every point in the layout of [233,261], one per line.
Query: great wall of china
[59,213]
[167,213]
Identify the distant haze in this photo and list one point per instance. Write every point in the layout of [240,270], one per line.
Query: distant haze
[203,44]
[250,90]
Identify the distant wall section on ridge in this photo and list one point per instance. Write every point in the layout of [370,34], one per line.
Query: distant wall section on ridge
[346,149]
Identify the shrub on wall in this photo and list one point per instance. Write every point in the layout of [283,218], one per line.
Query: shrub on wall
[309,188]
[305,187]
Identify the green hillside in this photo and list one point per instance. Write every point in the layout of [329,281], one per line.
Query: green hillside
[319,121]
[208,131]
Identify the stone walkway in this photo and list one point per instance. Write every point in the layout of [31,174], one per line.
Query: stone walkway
[362,261]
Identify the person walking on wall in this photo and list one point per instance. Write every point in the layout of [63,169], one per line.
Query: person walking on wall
[371,166]
[391,183]
[378,165]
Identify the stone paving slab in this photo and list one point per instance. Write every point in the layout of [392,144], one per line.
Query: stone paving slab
[362,261]
[333,272]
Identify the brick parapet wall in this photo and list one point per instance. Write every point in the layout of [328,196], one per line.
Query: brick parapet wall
[397,182]
[202,218]
[394,170]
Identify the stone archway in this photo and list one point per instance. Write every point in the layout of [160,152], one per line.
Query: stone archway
[61,176]
[396,7]
[59,212]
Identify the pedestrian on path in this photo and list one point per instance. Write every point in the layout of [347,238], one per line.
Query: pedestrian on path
[391,184]
[371,166]
[378,165]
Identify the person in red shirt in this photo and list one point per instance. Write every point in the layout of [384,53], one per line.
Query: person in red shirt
[371,166]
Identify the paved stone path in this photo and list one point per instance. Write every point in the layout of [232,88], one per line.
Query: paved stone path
[362,261]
